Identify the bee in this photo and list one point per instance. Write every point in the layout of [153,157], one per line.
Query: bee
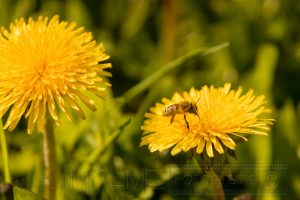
[183,107]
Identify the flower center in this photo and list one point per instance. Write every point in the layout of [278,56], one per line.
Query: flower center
[40,69]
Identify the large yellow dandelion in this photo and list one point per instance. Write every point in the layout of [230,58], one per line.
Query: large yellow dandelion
[205,119]
[45,65]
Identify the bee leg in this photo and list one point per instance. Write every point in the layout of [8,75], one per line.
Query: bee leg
[172,119]
[187,124]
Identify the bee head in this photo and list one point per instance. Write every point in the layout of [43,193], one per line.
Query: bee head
[189,107]
[193,109]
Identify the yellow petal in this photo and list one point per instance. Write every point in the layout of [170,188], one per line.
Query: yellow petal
[200,147]
[217,145]
[209,149]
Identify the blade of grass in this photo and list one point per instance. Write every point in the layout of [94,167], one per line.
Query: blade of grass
[136,120]
[147,82]
[96,152]
[4,155]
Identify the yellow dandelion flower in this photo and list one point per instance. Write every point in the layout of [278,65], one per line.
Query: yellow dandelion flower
[46,64]
[204,119]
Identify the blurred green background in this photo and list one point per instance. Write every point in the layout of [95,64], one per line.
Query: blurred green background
[100,158]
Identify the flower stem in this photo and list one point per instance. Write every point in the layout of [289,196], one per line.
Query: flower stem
[4,153]
[50,161]
[216,184]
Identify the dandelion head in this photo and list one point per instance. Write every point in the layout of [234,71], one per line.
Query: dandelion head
[209,119]
[45,66]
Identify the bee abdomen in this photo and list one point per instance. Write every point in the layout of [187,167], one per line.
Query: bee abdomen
[171,110]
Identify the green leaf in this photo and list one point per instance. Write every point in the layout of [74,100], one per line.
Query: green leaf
[76,10]
[22,194]
[261,78]
[288,123]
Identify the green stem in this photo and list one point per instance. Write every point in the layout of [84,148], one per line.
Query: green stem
[168,29]
[216,184]
[50,161]
[147,82]
[3,144]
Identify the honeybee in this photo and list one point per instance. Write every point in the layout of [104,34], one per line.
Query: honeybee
[183,107]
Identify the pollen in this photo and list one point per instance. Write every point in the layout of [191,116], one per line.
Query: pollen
[48,65]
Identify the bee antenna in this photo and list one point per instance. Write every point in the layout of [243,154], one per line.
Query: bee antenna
[197,100]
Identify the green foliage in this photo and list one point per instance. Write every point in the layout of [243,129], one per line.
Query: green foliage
[21,194]
[156,48]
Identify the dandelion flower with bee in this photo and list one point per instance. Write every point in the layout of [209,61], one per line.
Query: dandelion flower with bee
[45,66]
[204,120]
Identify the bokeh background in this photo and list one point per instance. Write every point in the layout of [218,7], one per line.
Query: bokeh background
[100,158]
